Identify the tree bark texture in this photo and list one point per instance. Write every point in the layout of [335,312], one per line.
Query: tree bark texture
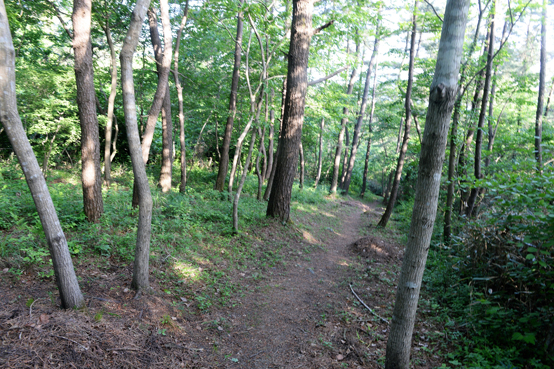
[344,120]
[441,101]
[297,83]
[167,124]
[361,114]
[302,167]
[111,104]
[320,152]
[86,102]
[542,88]
[401,157]
[64,272]
[224,162]
[142,250]
[372,111]
[270,137]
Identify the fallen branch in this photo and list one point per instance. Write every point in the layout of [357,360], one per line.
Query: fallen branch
[124,349]
[367,307]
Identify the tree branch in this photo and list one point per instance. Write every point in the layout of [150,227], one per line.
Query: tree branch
[315,82]
[321,28]
[432,7]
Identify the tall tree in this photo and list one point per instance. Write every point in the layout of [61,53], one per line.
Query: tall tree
[224,160]
[401,157]
[297,83]
[144,231]
[441,101]
[320,152]
[366,165]
[542,88]
[66,279]
[86,101]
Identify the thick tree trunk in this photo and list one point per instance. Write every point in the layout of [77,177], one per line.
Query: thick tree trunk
[70,293]
[183,182]
[111,103]
[542,88]
[142,251]
[372,111]
[297,83]
[344,120]
[361,114]
[401,157]
[224,162]
[320,152]
[441,101]
[482,114]
[302,166]
[167,125]
[86,101]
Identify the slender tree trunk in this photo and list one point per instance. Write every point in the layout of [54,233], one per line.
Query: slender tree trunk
[480,125]
[361,115]
[183,182]
[241,183]
[142,251]
[224,162]
[490,121]
[48,152]
[401,157]
[549,97]
[86,98]
[441,102]
[297,83]
[270,138]
[111,104]
[260,172]
[344,120]
[302,165]
[274,167]
[167,125]
[366,164]
[344,157]
[70,293]
[320,154]
[542,88]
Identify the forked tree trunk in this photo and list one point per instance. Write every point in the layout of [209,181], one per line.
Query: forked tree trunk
[366,164]
[167,125]
[70,293]
[86,102]
[224,162]
[320,152]
[542,88]
[344,120]
[297,83]
[361,114]
[111,104]
[401,157]
[142,250]
[441,100]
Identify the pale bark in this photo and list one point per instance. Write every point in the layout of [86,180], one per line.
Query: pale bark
[142,250]
[241,183]
[270,138]
[70,293]
[86,102]
[372,111]
[441,101]
[111,103]
[320,152]
[542,88]
[301,152]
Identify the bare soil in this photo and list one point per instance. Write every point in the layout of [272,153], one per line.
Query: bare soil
[301,314]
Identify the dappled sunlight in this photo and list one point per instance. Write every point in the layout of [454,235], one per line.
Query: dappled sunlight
[187,271]
[309,237]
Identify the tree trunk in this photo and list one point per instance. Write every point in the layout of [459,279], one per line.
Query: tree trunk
[301,183]
[542,87]
[48,152]
[549,97]
[224,162]
[260,171]
[241,183]
[355,139]
[142,251]
[270,138]
[167,125]
[366,164]
[297,81]
[480,125]
[183,182]
[344,120]
[86,99]
[344,157]
[70,293]
[320,154]
[441,100]
[398,174]
[111,104]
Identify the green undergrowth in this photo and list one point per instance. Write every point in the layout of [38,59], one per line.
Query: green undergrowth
[194,254]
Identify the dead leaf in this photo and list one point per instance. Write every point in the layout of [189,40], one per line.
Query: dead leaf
[339,357]
[44,318]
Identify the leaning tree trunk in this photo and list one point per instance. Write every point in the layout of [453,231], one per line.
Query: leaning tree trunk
[356,136]
[401,157]
[542,87]
[441,101]
[482,114]
[297,83]
[320,153]
[111,104]
[366,164]
[167,125]
[86,102]
[70,293]
[142,250]
[224,161]
[344,120]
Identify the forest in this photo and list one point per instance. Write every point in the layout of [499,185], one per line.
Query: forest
[284,183]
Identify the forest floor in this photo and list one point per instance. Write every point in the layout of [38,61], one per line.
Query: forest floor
[299,313]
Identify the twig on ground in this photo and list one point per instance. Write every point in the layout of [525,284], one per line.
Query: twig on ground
[367,307]
[124,349]
[70,340]
[31,309]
